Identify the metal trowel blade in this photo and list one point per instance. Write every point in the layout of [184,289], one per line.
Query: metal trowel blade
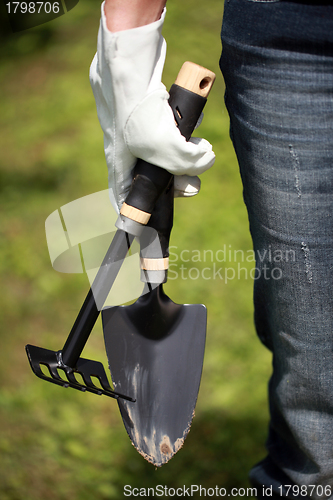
[155,350]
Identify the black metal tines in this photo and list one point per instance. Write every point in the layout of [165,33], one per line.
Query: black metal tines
[81,377]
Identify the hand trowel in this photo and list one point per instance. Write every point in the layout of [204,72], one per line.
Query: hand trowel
[155,347]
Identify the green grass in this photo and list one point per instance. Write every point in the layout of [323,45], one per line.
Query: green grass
[60,444]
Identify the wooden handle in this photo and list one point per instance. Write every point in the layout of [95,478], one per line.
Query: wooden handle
[195,78]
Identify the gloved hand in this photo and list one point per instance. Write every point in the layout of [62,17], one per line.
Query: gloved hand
[133,110]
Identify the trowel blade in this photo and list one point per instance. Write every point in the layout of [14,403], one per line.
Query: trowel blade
[157,360]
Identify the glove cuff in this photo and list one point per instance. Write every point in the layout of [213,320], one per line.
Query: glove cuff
[131,61]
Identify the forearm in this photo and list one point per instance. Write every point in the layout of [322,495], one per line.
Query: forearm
[127,14]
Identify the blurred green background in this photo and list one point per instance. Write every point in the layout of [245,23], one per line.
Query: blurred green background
[60,444]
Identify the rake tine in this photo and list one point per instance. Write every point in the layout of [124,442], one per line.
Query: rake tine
[102,380]
[72,379]
[89,382]
[54,373]
[86,368]
[94,369]
[104,384]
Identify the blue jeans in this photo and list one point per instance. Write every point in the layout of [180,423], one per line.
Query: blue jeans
[277,62]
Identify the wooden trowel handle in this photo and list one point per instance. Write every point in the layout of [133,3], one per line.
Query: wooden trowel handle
[195,78]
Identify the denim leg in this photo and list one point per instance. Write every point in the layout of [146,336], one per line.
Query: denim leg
[277,62]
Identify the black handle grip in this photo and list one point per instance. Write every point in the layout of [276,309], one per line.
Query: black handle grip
[149,181]
[152,188]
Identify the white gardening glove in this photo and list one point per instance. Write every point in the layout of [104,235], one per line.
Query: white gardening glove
[133,110]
